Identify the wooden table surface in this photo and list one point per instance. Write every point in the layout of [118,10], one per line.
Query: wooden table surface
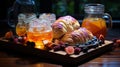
[109,59]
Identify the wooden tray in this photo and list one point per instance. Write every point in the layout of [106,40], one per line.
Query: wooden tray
[58,57]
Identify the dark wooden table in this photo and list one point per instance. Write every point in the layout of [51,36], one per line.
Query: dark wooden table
[109,59]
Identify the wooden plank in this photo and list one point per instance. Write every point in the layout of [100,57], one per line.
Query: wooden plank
[56,58]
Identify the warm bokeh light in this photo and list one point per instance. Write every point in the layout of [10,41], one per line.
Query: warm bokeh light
[39,45]
[40,38]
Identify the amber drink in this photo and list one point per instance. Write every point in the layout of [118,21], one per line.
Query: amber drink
[96,25]
[39,32]
[94,19]
[40,37]
[21,27]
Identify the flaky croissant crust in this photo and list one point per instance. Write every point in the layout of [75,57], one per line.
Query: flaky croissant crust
[79,36]
[64,25]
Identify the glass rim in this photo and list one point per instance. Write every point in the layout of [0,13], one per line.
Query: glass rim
[94,8]
[94,4]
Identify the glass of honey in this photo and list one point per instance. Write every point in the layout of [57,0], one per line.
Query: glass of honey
[95,19]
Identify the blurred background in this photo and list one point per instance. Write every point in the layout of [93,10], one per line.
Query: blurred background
[74,8]
[65,7]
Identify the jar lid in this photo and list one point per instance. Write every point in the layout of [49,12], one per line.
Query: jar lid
[94,8]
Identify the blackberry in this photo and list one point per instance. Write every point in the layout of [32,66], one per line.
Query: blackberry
[77,50]
[63,47]
[89,42]
[86,44]
[11,39]
[21,40]
[66,44]
[96,44]
[30,44]
[85,49]
[57,48]
[101,42]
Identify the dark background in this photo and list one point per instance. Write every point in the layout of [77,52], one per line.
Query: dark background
[75,9]
[53,6]
[6,4]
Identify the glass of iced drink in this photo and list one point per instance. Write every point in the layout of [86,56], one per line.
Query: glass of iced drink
[40,32]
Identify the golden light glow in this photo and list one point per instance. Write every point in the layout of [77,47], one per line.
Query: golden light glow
[39,45]
[40,38]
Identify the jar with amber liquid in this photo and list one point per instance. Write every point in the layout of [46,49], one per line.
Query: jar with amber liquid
[95,19]
[40,31]
[18,13]
[21,27]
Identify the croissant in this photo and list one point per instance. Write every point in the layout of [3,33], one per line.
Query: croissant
[80,36]
[64,25]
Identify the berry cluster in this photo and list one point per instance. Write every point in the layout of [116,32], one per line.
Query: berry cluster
[93,43]
[67,48]
[58,45]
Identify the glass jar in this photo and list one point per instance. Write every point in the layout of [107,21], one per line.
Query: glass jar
[94,19]
[23,23]
[21,27]
[20,10]
[40,31]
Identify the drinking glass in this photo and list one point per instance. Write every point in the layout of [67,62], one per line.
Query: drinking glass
[22,24]
[40,32]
